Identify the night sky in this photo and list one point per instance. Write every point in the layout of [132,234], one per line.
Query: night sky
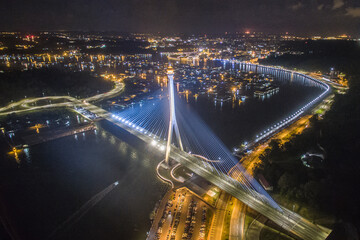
[187,16]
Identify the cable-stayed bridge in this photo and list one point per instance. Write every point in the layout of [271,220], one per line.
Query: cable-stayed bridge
[197,148]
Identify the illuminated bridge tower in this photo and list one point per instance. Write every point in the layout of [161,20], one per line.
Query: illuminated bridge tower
[173,123]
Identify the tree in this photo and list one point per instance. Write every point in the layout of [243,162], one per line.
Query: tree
[286,182]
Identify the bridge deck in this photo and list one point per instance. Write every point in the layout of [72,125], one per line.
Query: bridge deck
[286,219]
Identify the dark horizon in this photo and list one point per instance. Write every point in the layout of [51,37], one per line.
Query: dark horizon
[323,17]
[304,36]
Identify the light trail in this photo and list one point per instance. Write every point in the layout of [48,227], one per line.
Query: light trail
[172,172]
[163,178]
[68,223]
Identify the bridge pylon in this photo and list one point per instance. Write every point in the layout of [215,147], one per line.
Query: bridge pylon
[173,126]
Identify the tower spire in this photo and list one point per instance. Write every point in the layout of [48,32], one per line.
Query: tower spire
[173,123]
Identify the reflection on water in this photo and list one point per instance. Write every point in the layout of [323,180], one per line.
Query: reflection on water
[27,155]
[61,175]
[236,123]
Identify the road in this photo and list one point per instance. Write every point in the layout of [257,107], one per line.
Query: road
[291,222]
[28,104]
[250,161]
[237,221]
[254,230]
[220,213]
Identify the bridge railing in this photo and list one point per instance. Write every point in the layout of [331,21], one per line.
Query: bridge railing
[286,75]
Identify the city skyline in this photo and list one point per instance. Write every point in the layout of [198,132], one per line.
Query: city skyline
[296,17]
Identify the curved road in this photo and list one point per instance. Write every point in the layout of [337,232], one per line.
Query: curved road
[24,105]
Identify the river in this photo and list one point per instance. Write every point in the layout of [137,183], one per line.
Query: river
[54,179]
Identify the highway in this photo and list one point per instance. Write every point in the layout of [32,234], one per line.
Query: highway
[286,219]
[291,222]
